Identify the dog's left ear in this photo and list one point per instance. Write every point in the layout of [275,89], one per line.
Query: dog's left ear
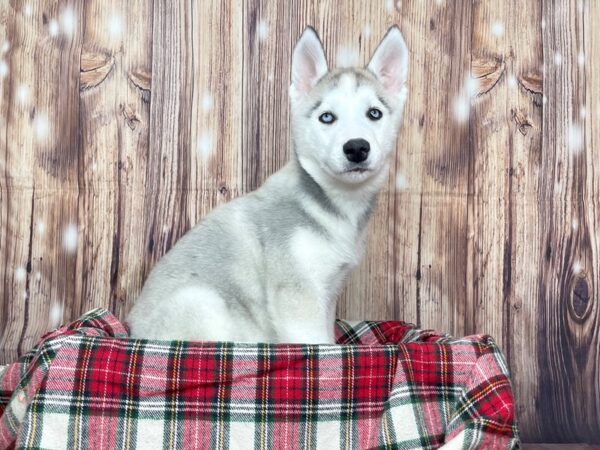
[308,61]
[390,61]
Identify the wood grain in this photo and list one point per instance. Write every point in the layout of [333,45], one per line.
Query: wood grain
[121,128]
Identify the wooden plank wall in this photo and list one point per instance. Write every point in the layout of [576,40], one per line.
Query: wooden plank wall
[123,123]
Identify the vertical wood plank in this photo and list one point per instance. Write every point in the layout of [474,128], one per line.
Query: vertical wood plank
[567,352]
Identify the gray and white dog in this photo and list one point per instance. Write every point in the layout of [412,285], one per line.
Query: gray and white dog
[268,266]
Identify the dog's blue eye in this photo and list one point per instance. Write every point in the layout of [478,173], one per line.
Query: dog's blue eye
[374,114]
[327,118]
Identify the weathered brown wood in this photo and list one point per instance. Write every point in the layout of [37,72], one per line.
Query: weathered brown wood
[159,111]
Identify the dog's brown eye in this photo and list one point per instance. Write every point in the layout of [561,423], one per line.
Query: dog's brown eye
[374,114]
[327,118]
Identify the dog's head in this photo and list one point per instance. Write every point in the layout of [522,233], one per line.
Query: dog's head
[345,121]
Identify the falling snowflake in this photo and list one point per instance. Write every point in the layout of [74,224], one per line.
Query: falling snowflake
[41,127]
[25,295]
[3,69]
[582,112]
[557,59]
[389,6]
[367,30]
[94,167]
[581,59]
[263,30]
[439,2]
[40,228]
[580,6]
[22,94]
[270,77]
[5,47]
[347,56]
[512,82]
[543,24]
[498,29]
[56,315]
[166,229]
[205,145]
[115,26]
[575,137]
[38,276]
[53,27]
[68,21]
[20,274]
[207,102]
[577,267]
[401,182]
[70,237]
[544,99]
[28,10]
[575,224]
[461,108]
[471,86]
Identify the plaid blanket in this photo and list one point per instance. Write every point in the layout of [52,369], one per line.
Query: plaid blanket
[390,385]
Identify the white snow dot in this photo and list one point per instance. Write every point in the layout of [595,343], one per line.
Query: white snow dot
[207,102]
[367,30]
[347,56]
[439,2]
[270,77]
[461,108]
[580,6]
[582,112]
[3,69]
[22,94]
[575,224]
[575,137]
[166,229]
[543,24]
[544,99]
[512,82]
[53,27]
[68,21]
[94,167]
[205,145]
[41,127]
[401,182]
[5,47]
[389,5]
[38,276]
[263,30]
[56,314]
[20,274]
[25,295]
[40,228]
[577,267]
[581,59]
[557,59]
[471,86]
[498,29]
[115,26]
[70,237]
[28,10]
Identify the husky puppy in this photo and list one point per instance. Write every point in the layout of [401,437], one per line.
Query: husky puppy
[268,266]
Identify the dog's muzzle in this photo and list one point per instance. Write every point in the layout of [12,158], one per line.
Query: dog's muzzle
[357,150]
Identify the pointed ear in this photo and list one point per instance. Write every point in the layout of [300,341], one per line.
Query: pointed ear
[308,62]
[390,61]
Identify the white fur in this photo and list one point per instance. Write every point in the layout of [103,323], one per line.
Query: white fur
[269,266]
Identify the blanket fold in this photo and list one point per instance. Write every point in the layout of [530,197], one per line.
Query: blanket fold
[389,385]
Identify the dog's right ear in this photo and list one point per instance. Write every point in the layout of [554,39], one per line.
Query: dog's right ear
[308,62]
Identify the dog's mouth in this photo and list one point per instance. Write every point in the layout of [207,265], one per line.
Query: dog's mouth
[358,170]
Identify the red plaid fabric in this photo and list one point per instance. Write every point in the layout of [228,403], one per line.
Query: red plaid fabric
[389,386]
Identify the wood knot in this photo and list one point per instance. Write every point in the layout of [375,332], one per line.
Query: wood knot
[142,80]
[522,121]
[487,72]
[130,116]
[94,68]
[580,298]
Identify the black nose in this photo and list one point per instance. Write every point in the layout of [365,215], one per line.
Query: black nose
[357,150]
